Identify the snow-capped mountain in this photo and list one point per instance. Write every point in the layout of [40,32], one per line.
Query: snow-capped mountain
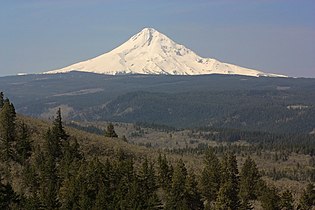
[151,52]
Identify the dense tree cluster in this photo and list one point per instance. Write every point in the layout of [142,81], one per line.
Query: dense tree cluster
[110,131]
[255,110]
[281,142]
[15,143]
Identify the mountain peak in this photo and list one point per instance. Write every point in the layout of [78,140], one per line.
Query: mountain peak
[148,37]
[148,30]
[151,52]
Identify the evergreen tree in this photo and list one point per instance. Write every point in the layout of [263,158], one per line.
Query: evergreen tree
[228,194]
[286,201]
[177,195]
[57,138]
[225,196]
[210,177]
[90,184]
[70,161]
[7,130]
[123,180]
[8,198]
[148,186]
[31,203]
[193,196]
[58,130]
[55,163]
[249,182]
[104,196]
[270,198]
[133,199]
[31,186]
[48,180]
[53,145]
[73,188]
[1,100]
[307,200]
[165,172]
[110,131]
[23,144]
[101,199]
[124,138]
[69,193]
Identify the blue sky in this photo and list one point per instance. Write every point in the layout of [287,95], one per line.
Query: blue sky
[270,35]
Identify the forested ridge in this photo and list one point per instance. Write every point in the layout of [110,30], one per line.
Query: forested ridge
[279,105]
[54,173]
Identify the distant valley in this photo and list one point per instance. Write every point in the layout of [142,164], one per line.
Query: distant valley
[240,102]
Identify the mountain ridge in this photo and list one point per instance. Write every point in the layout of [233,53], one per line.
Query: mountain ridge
[151,52]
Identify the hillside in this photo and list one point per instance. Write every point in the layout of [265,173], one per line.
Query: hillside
[84,155]
[93,146]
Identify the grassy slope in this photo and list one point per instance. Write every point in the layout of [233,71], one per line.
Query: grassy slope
[99,146]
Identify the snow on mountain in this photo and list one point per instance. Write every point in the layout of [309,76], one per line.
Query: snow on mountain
[151,52]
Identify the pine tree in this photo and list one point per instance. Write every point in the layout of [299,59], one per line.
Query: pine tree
[228,194]
[249,183]
[210,177]
[69,193]
[31,203]
[193,196]
[224,201]
[1,100]
[177,195]
[270,198]
[58,130]
[70,161]
[57,138]
[48,180]
[72,190]
[54,164]
[7,130]
[23,144]
[101,199]
[110,131]
[53,145]
[31,185]
[8,198]
[165,172]
[148,186]
[89,188]
[286,201]
[123,179]
[307,200]
[133,199]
